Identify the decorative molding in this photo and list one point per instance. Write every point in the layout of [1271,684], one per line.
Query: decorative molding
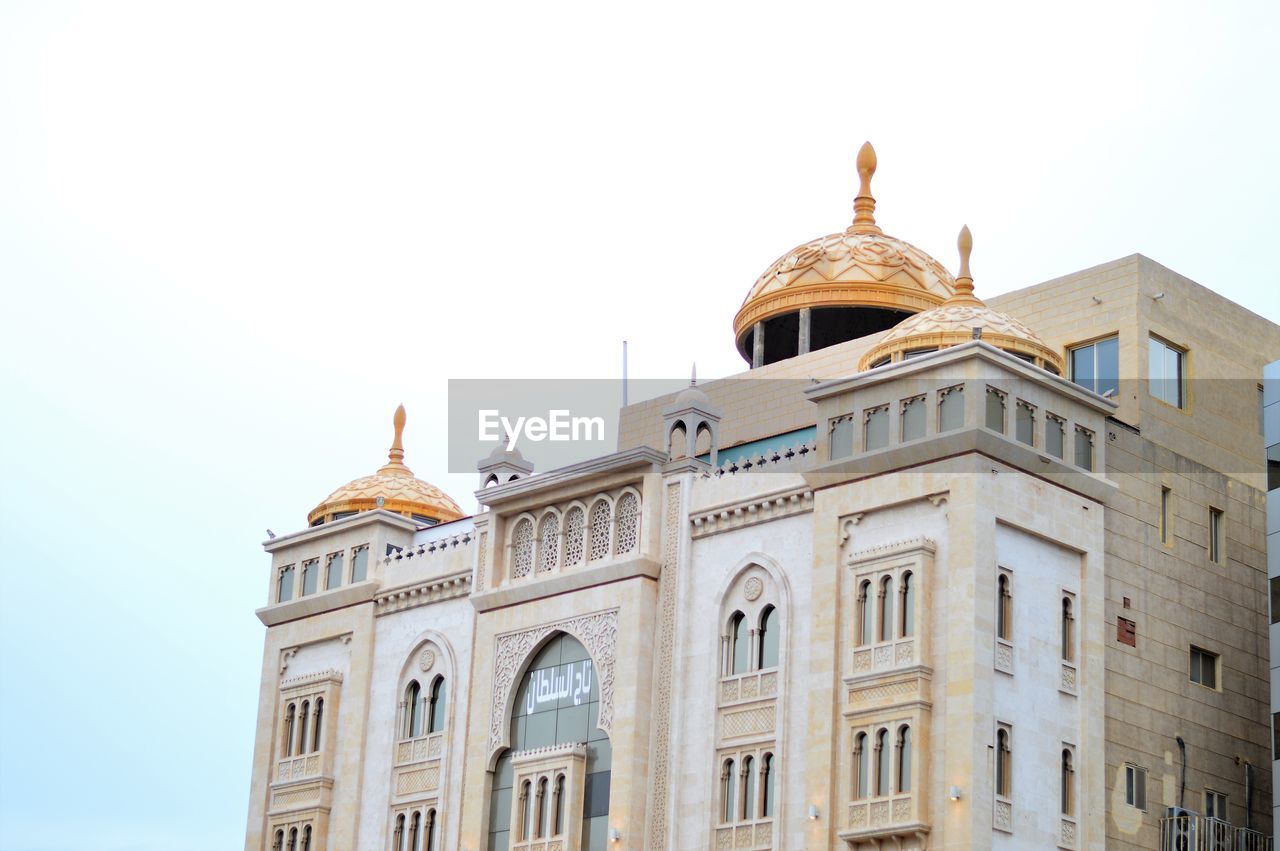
[753,588]
[426,659]
[661,761]
[892,550]
[286,656]
[846,526]
[751,512]
[597,632]
[421,593]
[461,539]
[318,678]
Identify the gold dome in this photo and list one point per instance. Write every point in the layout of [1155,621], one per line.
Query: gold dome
[394,485]
[861,267]
[955,321]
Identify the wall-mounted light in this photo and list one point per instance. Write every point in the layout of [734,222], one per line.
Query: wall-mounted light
[813,811]
[1157,296]
[615,835]
[954,793]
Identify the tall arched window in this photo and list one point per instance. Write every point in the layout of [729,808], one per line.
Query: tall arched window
[1068,637]
[727,790]
[861,767]
[904,758]
[415,824]
[601,513]
[525,830]
[574,523]
[1068,783]
[769,638]
[1004,608]
[908,605]
[740,640]
[522,549]
[540,804]
[412,710]
[290,718]
[1004,766]
[548,542]
[766,781]
[557,824]
[277,844]
[303,717]
[883,761]
[435,709]
[628,523]
[431,830]
[864,613]
[749,788]
[397,839]
[886,609]
[316,726]
[293,839]
[306,838]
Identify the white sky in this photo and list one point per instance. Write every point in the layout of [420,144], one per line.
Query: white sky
[234,236]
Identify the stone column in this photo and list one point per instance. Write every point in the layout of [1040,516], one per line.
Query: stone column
[804,330]
[757,346]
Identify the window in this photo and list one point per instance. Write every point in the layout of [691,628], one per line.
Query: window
[766,782]
[876,428]
[290,716]
[841,437]
[1275,599]
[278,843]
[883,758]
[1204,667]
[558,809]
[1004,608]
[950,407]
[575,521]
[1068,630]
[748,788]
[316,725]
[862,766]
[415,824]
[995,410]
[1084,448]
[1004,763]
[740,640]
[284,587]
[548,542]
[1055,434]
[599,519]
[359,563]
[522,549]
[1068,782]
[397,841]
[435,711]
[886,609]
[1275,735]
[310,576]
[904,759]
[912,418]
[1096,366]
[1025,423]
[303,715]
[1165,372]
[1215,535]
[1165,496]
[864,613]
[1273,467]
[1135,786]
[412,710]
[727,792]
[1215,805]
[333,571]
[908,606]
[769,638]
[1127,632]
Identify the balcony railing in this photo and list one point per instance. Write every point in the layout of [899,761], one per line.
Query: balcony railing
[1191,832]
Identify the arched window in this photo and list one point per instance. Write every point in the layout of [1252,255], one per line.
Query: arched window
[290,716]
[1068,783]
[768,638]
[557,824]
[431,830]
[864,613]
[628,523]
[303,717]
[1004,608]
[293,839]
[574,522]
[316,726]
[415,825]
[748,788]
[861,767]
[904,758]
[526,814]
[883,761]
[601,513]
[412,710]
[908,617]
[740,639]
[548,542]
[306,838]
[540,810]
[436,711]
[727,789]
[397,840]
[278,843]
[1068,637]
[1004,763]
[886,609]
[766,781]
[522,549]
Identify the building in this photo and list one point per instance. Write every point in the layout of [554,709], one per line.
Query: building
[1271,432]
[933,573]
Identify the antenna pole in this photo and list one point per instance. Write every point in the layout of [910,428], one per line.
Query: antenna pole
[624,373]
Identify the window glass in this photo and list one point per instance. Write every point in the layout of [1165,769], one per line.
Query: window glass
[1215,805]
[285,592]
[439,694]
[359,563]
[862,769]
[886,609]
[904,760]
[1068,782]
[841,437]
[883,761]
[995,410]
[1204,668]
[310,576]
[769,638]
[766,778]
[913,418]
[1275,599]
[877,428]
[1135,786]
[1273,466]
[727,792]
[1164,372]
[1096,366]
[1055,430]
[333,574]
[740,636]
[908,606]
[1215,535]
[951,407]
[749,788]
[864,613]
[1026,423]
[1084,448]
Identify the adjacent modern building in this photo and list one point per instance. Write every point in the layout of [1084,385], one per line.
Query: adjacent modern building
[1271,431]
[932,572]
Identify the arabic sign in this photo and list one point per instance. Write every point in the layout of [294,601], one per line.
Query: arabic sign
[571,684]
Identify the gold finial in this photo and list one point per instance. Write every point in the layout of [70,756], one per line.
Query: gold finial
[395,457]
[864,206]
[964,281]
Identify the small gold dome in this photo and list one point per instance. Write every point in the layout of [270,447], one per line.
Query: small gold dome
[954,322]
[863,267]
[395,485]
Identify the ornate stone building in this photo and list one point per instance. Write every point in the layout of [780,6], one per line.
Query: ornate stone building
[933,573]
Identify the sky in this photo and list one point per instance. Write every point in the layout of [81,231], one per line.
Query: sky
[234,236]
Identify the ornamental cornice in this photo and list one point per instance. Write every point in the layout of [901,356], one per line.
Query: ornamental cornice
[318,678]
[427,591]
[917,544]
[549,752]
[752,511]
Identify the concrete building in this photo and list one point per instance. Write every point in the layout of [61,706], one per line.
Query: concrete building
[933,573]
[1271,431]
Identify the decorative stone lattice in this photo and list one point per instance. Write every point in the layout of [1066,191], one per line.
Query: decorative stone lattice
[548,545]
[753,589]
[1003,817]
[522,549]
[598,633]
[748,722]
[574,522]
[628,524]
[600,515]
[664,651]
[1068,678]
[482,552]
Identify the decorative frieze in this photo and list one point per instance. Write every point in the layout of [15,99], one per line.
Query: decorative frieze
[421,593]
[752,511]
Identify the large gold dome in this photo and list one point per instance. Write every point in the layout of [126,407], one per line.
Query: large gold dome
[392,488]
[863,267]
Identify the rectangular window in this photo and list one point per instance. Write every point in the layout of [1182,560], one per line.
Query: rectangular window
[1025,423]
[1084,448]
[995,409]
[912,418]
[1127,632]
[333,571]
[1204,667]
[1215,535]
[1215,805]
[1273,466]
[1275,599]
[1055,434]
[310,576]
[1165,373]
[284,592]
[360,563]
[1096,366]
[841,437]
[1275,735]
[950,407]
[1135,786]
[876,428]
[1165,495]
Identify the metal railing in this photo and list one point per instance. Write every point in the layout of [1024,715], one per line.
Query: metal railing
[1191,832]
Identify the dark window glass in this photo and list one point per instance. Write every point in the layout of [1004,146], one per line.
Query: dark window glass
[1275,599]
[1273,467]
[1096,366]
[1204,668]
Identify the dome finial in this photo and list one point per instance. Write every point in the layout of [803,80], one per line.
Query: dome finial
[964,280]
[693,375]
[864,206]
[395,456]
